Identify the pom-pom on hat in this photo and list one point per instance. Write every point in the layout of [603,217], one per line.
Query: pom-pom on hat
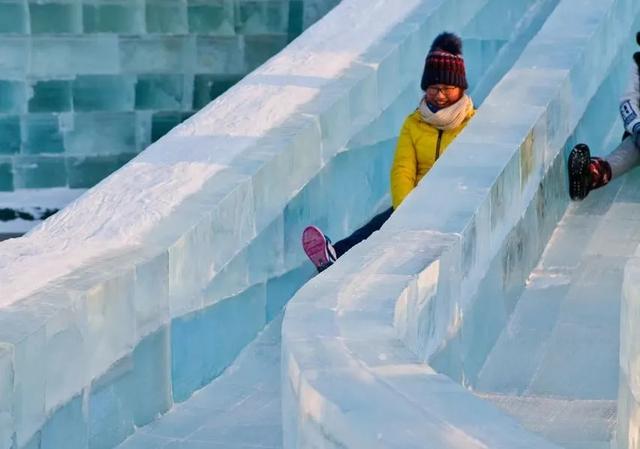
[445,64]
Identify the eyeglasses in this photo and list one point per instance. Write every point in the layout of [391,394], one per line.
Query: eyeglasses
[447,90]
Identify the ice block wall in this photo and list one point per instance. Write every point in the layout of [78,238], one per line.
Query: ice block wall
[628,429]
[86,85]
[402,323]
[147,287]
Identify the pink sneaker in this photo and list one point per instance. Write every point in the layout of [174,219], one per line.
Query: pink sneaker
[318,248]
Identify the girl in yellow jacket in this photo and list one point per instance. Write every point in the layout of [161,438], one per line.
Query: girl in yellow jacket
[444,111]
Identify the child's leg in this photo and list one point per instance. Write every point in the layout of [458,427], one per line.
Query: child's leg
[363,233]
[625,157]
[323,253]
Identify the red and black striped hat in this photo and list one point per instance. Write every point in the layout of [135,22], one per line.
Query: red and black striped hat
[445,64]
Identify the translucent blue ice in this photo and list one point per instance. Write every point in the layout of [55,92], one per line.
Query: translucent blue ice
[475,318]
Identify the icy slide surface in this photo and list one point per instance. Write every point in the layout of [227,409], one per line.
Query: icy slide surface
[462,323]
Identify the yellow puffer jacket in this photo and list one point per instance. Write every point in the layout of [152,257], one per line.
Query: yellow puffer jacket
[419,146]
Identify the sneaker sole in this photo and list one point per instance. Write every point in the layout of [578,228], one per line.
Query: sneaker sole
[314,244]
[578,176]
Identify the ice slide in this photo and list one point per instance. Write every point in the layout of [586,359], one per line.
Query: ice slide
[484,316]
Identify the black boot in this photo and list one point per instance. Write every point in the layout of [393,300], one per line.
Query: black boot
[585,172]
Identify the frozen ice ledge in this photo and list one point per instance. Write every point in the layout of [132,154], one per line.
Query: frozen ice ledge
[147,287]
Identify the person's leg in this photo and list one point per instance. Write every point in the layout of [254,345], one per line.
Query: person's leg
[623,158]
[323,253]
[363,233]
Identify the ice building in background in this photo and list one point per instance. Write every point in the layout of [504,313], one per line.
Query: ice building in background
[86,85]
[488,312]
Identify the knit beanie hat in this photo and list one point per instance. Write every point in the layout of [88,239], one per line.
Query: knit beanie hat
[445,64]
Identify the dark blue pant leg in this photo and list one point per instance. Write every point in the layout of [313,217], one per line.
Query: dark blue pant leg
[363,233]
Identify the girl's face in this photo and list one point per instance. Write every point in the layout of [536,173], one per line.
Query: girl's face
[443,95]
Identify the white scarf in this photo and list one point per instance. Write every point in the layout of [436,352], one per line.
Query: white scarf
[448,118]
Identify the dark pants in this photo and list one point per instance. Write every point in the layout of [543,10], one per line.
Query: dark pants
[363,233]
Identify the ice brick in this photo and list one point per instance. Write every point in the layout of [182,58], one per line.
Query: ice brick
[151,297]
[59,55]
[484,25]
[35,172]
[295,144]
[111,411]
[315,9]
[160,92]
[206,342]
[54,17]
[296,10]
[124,16]
[166,17]
[66,428]
[209,87]
[132,392]
[50,96]
[220,55]
[151,382]
[281,289]
[481,54]
[144,125]
[108,292]
[163,122]
[66,339]
[266,252]
[230,280]
[101,133]
[41,134]
[22,329]
[13,97]
[9,134]
[156,54]
[6,175]
[216,238]
[390,70]
[103,93]
[332,110]
[262,17]
[15,60]
[206,17]
[13,17]
[260,48]
[233,223]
